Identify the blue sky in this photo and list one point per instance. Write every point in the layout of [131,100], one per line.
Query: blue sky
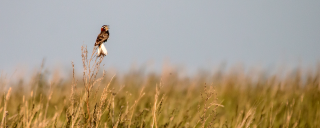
[193,34]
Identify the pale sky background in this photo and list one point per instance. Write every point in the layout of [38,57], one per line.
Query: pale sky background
[195,34]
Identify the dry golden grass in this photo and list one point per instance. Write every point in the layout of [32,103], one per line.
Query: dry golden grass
[221,99]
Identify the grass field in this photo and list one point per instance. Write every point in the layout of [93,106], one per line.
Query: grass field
[223,99]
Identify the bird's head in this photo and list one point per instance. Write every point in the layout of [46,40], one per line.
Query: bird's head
[105,28]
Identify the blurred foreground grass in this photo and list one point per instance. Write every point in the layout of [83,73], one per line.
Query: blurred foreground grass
[224,99]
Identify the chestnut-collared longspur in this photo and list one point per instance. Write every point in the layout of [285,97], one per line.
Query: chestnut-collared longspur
[102,37]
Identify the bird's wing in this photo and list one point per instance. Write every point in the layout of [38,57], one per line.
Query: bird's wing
[102,37]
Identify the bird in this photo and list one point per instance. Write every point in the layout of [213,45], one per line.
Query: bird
[102,38]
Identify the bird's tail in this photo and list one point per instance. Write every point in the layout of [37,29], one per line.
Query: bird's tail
[102,51]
